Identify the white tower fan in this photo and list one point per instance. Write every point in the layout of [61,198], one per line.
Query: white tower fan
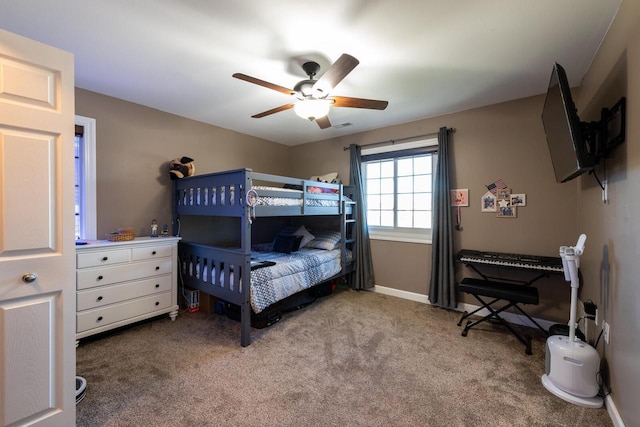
[572,365]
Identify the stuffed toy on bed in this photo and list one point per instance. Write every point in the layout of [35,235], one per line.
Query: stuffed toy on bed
[326,178]
[181,167]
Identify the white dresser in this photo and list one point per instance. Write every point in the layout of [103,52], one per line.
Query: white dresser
[118,283]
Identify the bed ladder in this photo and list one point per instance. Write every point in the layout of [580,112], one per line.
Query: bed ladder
[348,228]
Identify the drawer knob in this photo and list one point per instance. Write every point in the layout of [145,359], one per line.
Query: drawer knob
[105,258]
[157,302]
[99,299]
[100,319]
[153,253]
[157,268]
[100,277]
[29,277]
[157,285]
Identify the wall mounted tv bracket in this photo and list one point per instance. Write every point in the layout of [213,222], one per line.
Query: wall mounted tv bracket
[603,136]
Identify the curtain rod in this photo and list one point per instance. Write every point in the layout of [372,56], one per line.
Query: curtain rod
[393,141]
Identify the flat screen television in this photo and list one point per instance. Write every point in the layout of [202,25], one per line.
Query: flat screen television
[570,153]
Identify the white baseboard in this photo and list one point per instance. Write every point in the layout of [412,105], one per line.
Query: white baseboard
[401,294]
[613,412]
[517,319]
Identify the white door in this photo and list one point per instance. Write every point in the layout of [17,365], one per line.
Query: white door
[37,250]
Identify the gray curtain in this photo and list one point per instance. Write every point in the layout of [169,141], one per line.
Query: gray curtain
[442,290]
[363,276]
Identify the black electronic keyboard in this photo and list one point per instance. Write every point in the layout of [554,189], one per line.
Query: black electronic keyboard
[529,262]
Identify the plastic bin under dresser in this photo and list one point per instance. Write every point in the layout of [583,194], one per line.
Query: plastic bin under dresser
[119,283]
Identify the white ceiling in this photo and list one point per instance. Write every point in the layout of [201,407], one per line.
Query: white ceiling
[426,57]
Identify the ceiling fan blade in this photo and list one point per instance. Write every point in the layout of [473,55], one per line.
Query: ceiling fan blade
[334,75]
[263,83]
[371,104]
[273,111]
[323,122]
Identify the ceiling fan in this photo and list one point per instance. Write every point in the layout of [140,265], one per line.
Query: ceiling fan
[313,100]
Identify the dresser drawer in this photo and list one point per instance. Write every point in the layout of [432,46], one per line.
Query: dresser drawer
[105,295]
[107,257]
[114,313]
[118,283]
[92,277]
[150,252]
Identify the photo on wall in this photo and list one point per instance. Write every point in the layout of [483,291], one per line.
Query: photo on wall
[489,203]
[518,199]
[460,197]
[505,210]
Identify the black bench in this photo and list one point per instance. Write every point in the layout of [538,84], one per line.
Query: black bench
[510,294]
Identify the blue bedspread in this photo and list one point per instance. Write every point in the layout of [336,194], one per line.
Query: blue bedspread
[292,273]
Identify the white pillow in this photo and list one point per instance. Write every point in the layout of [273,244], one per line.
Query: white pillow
[306,236]
[300,231]
[328,177]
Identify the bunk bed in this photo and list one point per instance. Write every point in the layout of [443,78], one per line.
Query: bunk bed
[244,195]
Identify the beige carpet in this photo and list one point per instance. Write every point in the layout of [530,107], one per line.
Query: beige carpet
[350,359]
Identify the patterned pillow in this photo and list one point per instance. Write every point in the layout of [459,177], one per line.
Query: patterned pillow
[328,240]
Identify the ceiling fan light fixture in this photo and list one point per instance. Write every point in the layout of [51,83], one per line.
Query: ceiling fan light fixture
[313,102]
[312,108]
[304,88]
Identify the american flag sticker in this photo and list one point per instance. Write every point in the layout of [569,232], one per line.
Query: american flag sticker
[496,186]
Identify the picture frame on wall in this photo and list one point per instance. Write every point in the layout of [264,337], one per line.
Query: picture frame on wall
[503,193]
[459,197]
[505,210]
[489,202]
[518,199]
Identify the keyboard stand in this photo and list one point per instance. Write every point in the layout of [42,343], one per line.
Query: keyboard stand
[497,294]
[510,294]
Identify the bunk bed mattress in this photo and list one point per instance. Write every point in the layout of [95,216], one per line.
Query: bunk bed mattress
[291,273]
[294,200]
[288,201]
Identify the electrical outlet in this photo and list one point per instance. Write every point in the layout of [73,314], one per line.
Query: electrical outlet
[605,331]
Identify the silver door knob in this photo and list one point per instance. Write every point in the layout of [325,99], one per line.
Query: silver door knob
[29,277]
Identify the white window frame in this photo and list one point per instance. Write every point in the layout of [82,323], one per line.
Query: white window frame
[87,181]
[422,236]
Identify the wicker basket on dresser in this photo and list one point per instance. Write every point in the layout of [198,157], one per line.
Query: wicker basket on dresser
[118,283]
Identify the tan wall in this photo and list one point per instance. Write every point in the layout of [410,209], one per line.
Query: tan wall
[613,229]
[504,141]
[134,145]
[403,266]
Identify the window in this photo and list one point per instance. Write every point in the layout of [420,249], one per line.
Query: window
[85,164]
[399,190]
